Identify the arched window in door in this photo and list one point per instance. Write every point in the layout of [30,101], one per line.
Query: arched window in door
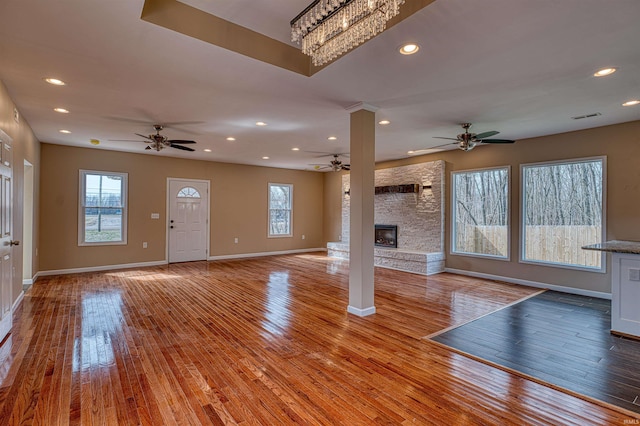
[188,192]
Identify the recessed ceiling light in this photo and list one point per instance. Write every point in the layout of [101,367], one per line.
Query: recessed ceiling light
[411,152]
[332,138]
[265,158]
[384,122]
[94,142]
[207,150]
[409,49]
[61,110]
[604,71]
[65,131]
[260,123]
[55,81]
[631,102]
[295,149]
[231,138]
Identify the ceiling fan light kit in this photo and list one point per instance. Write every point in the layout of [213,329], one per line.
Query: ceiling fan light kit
[334,165]
[467,141]
[159,142]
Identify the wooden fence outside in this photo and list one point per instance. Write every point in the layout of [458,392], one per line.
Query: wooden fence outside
[557,244]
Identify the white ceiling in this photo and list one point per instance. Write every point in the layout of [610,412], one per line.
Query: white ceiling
[522,67]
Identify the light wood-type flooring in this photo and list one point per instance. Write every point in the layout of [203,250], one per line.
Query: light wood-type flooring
[263,341]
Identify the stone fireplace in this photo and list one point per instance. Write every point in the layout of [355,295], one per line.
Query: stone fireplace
[412,198]
[386,236]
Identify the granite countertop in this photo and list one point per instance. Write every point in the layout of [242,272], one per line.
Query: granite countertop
[615,246]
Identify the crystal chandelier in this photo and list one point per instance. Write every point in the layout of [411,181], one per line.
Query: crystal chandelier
[328,28]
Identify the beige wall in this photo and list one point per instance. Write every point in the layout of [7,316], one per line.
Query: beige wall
[238,206]
[25,147]
[333,206]
[620,143]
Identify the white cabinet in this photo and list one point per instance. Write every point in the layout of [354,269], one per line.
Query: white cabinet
[625,294]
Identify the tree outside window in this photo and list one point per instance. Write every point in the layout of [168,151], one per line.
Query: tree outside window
[562,210]
[481,212]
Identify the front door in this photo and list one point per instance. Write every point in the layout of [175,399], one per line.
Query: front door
[188,220]
[6,229]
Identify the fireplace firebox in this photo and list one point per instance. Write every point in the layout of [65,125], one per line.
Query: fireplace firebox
[386,236]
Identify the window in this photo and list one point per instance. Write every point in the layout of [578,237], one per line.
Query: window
[280,205]
[480,201]
[562,210]
[102,208]
[188,192]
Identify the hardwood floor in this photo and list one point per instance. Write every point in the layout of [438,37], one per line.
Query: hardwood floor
[262,341]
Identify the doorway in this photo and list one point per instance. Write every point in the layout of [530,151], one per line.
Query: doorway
[188,217]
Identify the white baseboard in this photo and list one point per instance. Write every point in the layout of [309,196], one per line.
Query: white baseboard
[563,289]
[18,301]
[263,254]
[361,312]
[31,281]
[101,268]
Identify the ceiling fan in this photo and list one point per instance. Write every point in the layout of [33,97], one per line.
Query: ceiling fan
[159,142]
[467,141]
[334,165]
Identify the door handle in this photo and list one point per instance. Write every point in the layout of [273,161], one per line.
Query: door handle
[14,243]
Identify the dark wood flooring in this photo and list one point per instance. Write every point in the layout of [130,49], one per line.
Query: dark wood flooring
[561,339]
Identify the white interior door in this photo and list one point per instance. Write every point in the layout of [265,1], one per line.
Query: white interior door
[188,220]
[6,230]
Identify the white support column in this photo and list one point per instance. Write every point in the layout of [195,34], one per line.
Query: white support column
[361,222]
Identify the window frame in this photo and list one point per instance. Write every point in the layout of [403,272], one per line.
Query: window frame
[452,244]
[81,208]
[269,210]
[603,230]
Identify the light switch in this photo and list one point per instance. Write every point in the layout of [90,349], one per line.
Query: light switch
[155,215]
[634,274]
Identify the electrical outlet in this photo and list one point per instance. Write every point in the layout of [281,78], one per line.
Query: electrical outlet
[235,240]
[303,236]
[144,244]
[155,215]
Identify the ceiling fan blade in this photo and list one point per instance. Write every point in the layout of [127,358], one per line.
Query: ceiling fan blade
[346,167]
[442,137]
[179,141]
[327,154]
[446,144]
[126,140]
[143,136]
[486,134]
[184,148]
[497,141]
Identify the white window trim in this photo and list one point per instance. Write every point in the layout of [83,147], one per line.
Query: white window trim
[452,232]
[603,257]
[125,208]
[269,234]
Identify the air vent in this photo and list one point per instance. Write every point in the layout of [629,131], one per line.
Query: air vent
[580,117]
